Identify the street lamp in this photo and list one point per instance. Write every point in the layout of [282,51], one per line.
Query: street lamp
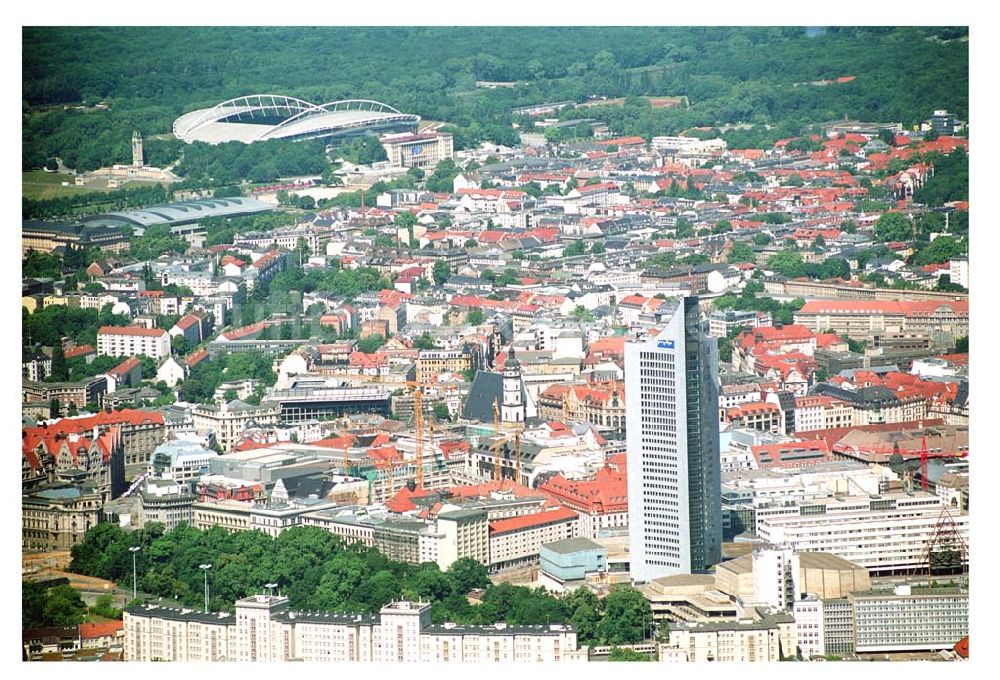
[134,549]
[205,568]
[270,588]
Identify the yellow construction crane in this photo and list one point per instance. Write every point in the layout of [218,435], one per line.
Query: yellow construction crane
[497,474]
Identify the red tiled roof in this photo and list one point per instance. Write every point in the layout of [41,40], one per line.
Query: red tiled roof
[79,351]
[124,367]
[534,520]
[90,631]
[607,492]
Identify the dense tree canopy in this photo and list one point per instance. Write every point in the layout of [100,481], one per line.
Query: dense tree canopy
[318,571]
[149,76]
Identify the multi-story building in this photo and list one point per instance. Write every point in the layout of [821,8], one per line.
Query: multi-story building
[264,628]
[860,319]
[431,362]
[117,341]
[601,502]
[887,534]
[672,438]
[770,638]
[910,619]
[57,518]
[722,323]
[466,534]
[80,393]
[418,151]
[229,420]
[180,460]
[516,541]
[165,501]
[906,619]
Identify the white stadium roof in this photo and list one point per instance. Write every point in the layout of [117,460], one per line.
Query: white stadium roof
[261,117]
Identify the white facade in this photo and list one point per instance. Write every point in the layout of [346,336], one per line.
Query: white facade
[133,341]
[884,534]
[775,576]
[808,613]
[672,382]
[960,271]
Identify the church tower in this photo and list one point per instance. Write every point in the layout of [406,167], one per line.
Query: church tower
[136,149]
[512,408]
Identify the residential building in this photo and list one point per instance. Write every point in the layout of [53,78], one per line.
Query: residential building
[166,501]
[117,341]
[769,638]
[672,439]
[433,362]
[264,628]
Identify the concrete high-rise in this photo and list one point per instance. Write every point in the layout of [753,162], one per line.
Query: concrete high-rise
[672,439]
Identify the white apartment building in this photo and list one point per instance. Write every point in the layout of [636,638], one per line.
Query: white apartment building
[886,534]
[119,341]
[960,271]
[265,629]
[672,443]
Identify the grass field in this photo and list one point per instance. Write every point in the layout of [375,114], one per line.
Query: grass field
[39,184]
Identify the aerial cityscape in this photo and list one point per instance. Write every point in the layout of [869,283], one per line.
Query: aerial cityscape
[479,344]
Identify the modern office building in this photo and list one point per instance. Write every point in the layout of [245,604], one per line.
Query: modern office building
[672,441]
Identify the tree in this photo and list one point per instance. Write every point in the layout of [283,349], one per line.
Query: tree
[60,369]
[475,317]
[620,654]
[54,408]
[627,617]
[581,313]
[962,345]
[424,341]
[597,248]
[441,412]
[105,606]
[741,252]
[722,226]
[63,607]
[405,219]
[179,344]
[468,574]
[761,238]
[371,344]
[893,227]
[442,272]
[573,249]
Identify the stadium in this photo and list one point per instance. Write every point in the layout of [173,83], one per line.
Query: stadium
[260,117]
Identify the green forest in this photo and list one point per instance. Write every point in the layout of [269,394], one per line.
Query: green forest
[145,77]
[317,571]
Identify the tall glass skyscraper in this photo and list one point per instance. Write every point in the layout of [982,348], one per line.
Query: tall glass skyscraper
[672,439]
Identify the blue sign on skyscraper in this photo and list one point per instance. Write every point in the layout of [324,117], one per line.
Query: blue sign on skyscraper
[665,344]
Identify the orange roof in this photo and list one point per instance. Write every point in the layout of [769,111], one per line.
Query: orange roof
[78,351]
[89,631]
[537,519]
[131,330]
[125,366]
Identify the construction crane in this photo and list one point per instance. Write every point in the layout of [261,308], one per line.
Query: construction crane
[497,473]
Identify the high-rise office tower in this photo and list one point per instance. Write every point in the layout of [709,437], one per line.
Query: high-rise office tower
[672,439]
